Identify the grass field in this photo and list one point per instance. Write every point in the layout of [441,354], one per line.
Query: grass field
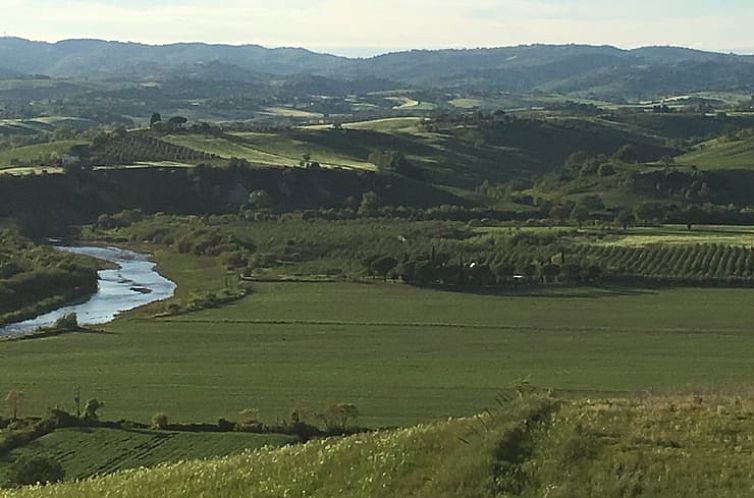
[401,354]
[85,452]
[275,149]
[34,152]
[722,154]
[466,103]
[41,124]
[671,447]
[681,235]
[228,149]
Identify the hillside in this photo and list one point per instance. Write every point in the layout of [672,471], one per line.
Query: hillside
[722,154]
[669,446]
[85,452]
[568,69]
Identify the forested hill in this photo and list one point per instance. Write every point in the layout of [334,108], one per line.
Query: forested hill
[570,69]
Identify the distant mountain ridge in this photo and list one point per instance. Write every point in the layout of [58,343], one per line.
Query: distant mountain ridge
[603,71]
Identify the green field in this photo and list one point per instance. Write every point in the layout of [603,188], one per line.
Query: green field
[721,154]
[277,149]
[401,354]
[85,452]
[228,149]
[670,447]
[681,235]
[39,152]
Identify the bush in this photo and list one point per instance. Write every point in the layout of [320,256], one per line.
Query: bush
[225,425]
[90,409]
[339,417]
[67,322]
[37,469]
[160,421]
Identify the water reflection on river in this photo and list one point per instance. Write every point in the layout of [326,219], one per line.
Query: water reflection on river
[133,284]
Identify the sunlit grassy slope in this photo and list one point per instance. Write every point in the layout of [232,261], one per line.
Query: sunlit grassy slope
[34,152]
[722,154]
[665,446]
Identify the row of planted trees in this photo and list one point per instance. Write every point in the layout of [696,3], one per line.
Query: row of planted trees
[482,270]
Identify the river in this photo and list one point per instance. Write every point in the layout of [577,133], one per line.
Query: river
[134,283]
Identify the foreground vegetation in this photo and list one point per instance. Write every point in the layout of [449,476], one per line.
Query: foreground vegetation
[87,452]
[669,446]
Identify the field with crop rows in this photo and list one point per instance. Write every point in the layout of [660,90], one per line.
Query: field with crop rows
[137,148]
[672,446]
[85,452]
[692,263]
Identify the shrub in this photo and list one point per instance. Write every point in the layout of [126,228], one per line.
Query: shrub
[338,417]
[90,410]
[37,469]
[160,421]
[67,322]
[225,425]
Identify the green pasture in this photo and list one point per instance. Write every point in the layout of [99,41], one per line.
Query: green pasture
[279,148]
[228,149]
[401,354]
[721,155]
[682,235]
[39,152]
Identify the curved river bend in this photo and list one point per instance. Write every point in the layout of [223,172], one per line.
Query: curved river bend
[133,284]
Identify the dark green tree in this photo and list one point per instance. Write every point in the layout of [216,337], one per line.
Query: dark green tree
[36,470]
[90,409]
[624,218]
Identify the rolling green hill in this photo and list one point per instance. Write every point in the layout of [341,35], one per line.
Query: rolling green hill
[670,446]
[456,154]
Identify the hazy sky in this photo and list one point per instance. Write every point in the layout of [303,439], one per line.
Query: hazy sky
[361,27]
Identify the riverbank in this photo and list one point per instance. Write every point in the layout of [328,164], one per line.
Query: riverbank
[35,279]
[128,282]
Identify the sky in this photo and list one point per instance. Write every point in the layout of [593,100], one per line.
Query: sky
[370,27]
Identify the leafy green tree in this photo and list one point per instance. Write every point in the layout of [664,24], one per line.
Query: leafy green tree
[560,212]
[629,153]
[90,409]
[339,416]
[383,265]
[550,272]
[606,169]
[395,162]
[571,272]
[176,123]
[577,160]
[624,218]
[36,470]
[591,202]
[160,421]
[67,323]
[156,118]
[650,212]
[260,199]
[580,214]
[503,271]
